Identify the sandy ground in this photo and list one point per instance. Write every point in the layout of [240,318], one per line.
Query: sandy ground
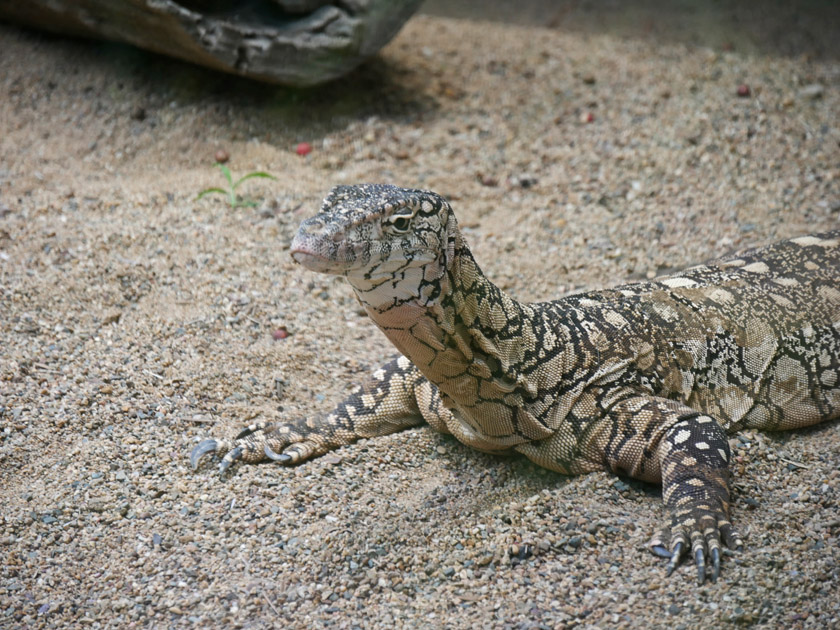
[136,321]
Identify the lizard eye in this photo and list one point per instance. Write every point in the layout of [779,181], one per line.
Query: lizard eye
[400,224]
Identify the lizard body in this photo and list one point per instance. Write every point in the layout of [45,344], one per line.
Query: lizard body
[646,379]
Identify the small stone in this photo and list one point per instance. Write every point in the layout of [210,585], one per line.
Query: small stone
[222,156]
[488,180]
[279,333]
[525,180]
[484,560]
[812,91]
[743,90]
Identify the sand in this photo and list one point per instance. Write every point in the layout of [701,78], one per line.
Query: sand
[136,321]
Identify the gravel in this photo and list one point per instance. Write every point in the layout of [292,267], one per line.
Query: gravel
[136,321]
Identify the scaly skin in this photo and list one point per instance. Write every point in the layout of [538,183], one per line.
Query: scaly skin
[644,380]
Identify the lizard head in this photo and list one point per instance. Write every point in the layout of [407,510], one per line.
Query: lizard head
[377,235]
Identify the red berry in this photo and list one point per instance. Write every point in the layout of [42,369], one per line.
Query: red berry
[303,148]
[743,90]
[279,333]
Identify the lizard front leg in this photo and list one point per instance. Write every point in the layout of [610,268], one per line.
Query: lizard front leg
[694,458]
[657,440]
[385,403]
[689,452]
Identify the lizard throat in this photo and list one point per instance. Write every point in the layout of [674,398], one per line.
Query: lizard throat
[454,325]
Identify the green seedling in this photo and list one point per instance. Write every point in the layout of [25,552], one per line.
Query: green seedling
[235,200]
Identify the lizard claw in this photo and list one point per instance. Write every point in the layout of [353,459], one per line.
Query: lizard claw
[705,546]
[676,553]
[715,564]
[201,449]
[700,561]
[661,551]
[283,458]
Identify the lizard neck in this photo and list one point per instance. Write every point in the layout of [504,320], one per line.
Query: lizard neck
[461,331]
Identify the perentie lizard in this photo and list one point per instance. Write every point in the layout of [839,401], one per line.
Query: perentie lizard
[644,380]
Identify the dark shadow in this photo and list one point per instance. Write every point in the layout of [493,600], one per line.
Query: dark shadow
[378,88]
[773,27]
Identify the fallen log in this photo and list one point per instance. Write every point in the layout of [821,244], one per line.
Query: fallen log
[291,42]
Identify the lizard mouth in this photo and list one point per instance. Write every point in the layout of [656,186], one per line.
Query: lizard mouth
[312,260]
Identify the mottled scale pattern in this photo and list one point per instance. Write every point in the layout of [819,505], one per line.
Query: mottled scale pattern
[645,380]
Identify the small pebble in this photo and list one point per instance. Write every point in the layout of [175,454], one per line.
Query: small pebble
[812,91]
[743,90]
[222,156]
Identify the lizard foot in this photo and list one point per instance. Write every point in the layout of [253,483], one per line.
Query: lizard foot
[700,529]
[262,441]
[695,486]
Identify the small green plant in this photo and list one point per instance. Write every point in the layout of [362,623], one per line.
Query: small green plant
[235,200]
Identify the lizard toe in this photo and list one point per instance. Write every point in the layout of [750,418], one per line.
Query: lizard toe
[715,564]
[730,536]
[700,563]
[231,456]
[283,458]
[676,553]
[303,450]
